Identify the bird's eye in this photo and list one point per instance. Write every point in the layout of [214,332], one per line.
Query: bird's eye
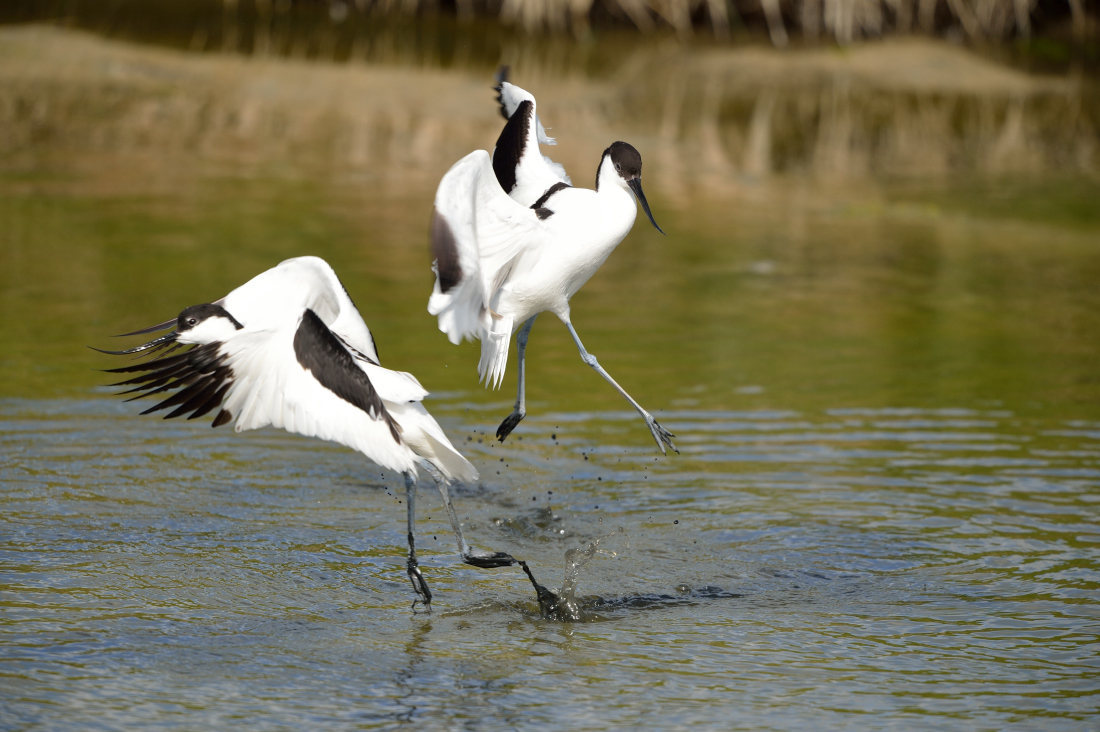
[192,321]
[618,167]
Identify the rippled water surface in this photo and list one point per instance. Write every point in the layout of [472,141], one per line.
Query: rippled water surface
[872,328]
[883,566]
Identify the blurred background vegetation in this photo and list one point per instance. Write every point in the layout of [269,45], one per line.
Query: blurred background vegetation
[906,221]
[336,29]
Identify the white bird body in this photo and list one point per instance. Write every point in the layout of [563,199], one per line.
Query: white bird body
[525,264]
[575,243]
[289,349]
[512,240]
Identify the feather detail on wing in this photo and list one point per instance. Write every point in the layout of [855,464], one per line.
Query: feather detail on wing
[477,233]
[426,438]
[394,386]
[509,97]
[324,394]
[269,299]
[200,374]
[402,393]
[523,172]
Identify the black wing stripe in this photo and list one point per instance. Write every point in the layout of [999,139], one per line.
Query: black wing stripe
[447,265]
[159,363]
[193,385]
[153,387]
[205,390]
[157,382]
[224,417]
[147,381]
[214,401]
[321,353]
[511,144]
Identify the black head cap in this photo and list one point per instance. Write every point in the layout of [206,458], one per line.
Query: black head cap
[196,314]
[628,164]
[626,159]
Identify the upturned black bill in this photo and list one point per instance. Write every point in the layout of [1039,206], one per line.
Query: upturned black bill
[636,186]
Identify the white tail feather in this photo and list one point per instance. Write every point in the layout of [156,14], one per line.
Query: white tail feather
[494,351]
[426,439]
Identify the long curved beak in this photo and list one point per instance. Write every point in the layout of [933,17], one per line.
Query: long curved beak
[636,186]
[156,344]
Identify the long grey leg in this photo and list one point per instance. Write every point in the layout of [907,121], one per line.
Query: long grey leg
[423,594]
[660,434]
[520,410]
[485,560]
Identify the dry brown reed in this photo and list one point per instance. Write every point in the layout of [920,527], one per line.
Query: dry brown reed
[843,21]
[716,122]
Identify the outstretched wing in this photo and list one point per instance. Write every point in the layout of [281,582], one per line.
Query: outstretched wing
[272,298]
[200,374]
[477,233]
[522,171]
[298,376]
[509,97]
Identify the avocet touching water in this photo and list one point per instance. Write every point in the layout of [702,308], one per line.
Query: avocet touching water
[289,349]
[513,238]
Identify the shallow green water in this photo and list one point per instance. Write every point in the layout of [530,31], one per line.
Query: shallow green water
[884,388]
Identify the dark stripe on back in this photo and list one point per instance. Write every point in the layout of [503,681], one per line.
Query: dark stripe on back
[321,353]
[549,192]
[539,205]
[510,145]
[445,251]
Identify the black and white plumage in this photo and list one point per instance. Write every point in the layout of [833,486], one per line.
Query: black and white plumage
[289,349]
[511,239]
[523,171]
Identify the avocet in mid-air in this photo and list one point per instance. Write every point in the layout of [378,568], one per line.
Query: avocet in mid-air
[289,349]
[513,238]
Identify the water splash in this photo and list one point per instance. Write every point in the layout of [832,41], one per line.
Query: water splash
[563,605]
